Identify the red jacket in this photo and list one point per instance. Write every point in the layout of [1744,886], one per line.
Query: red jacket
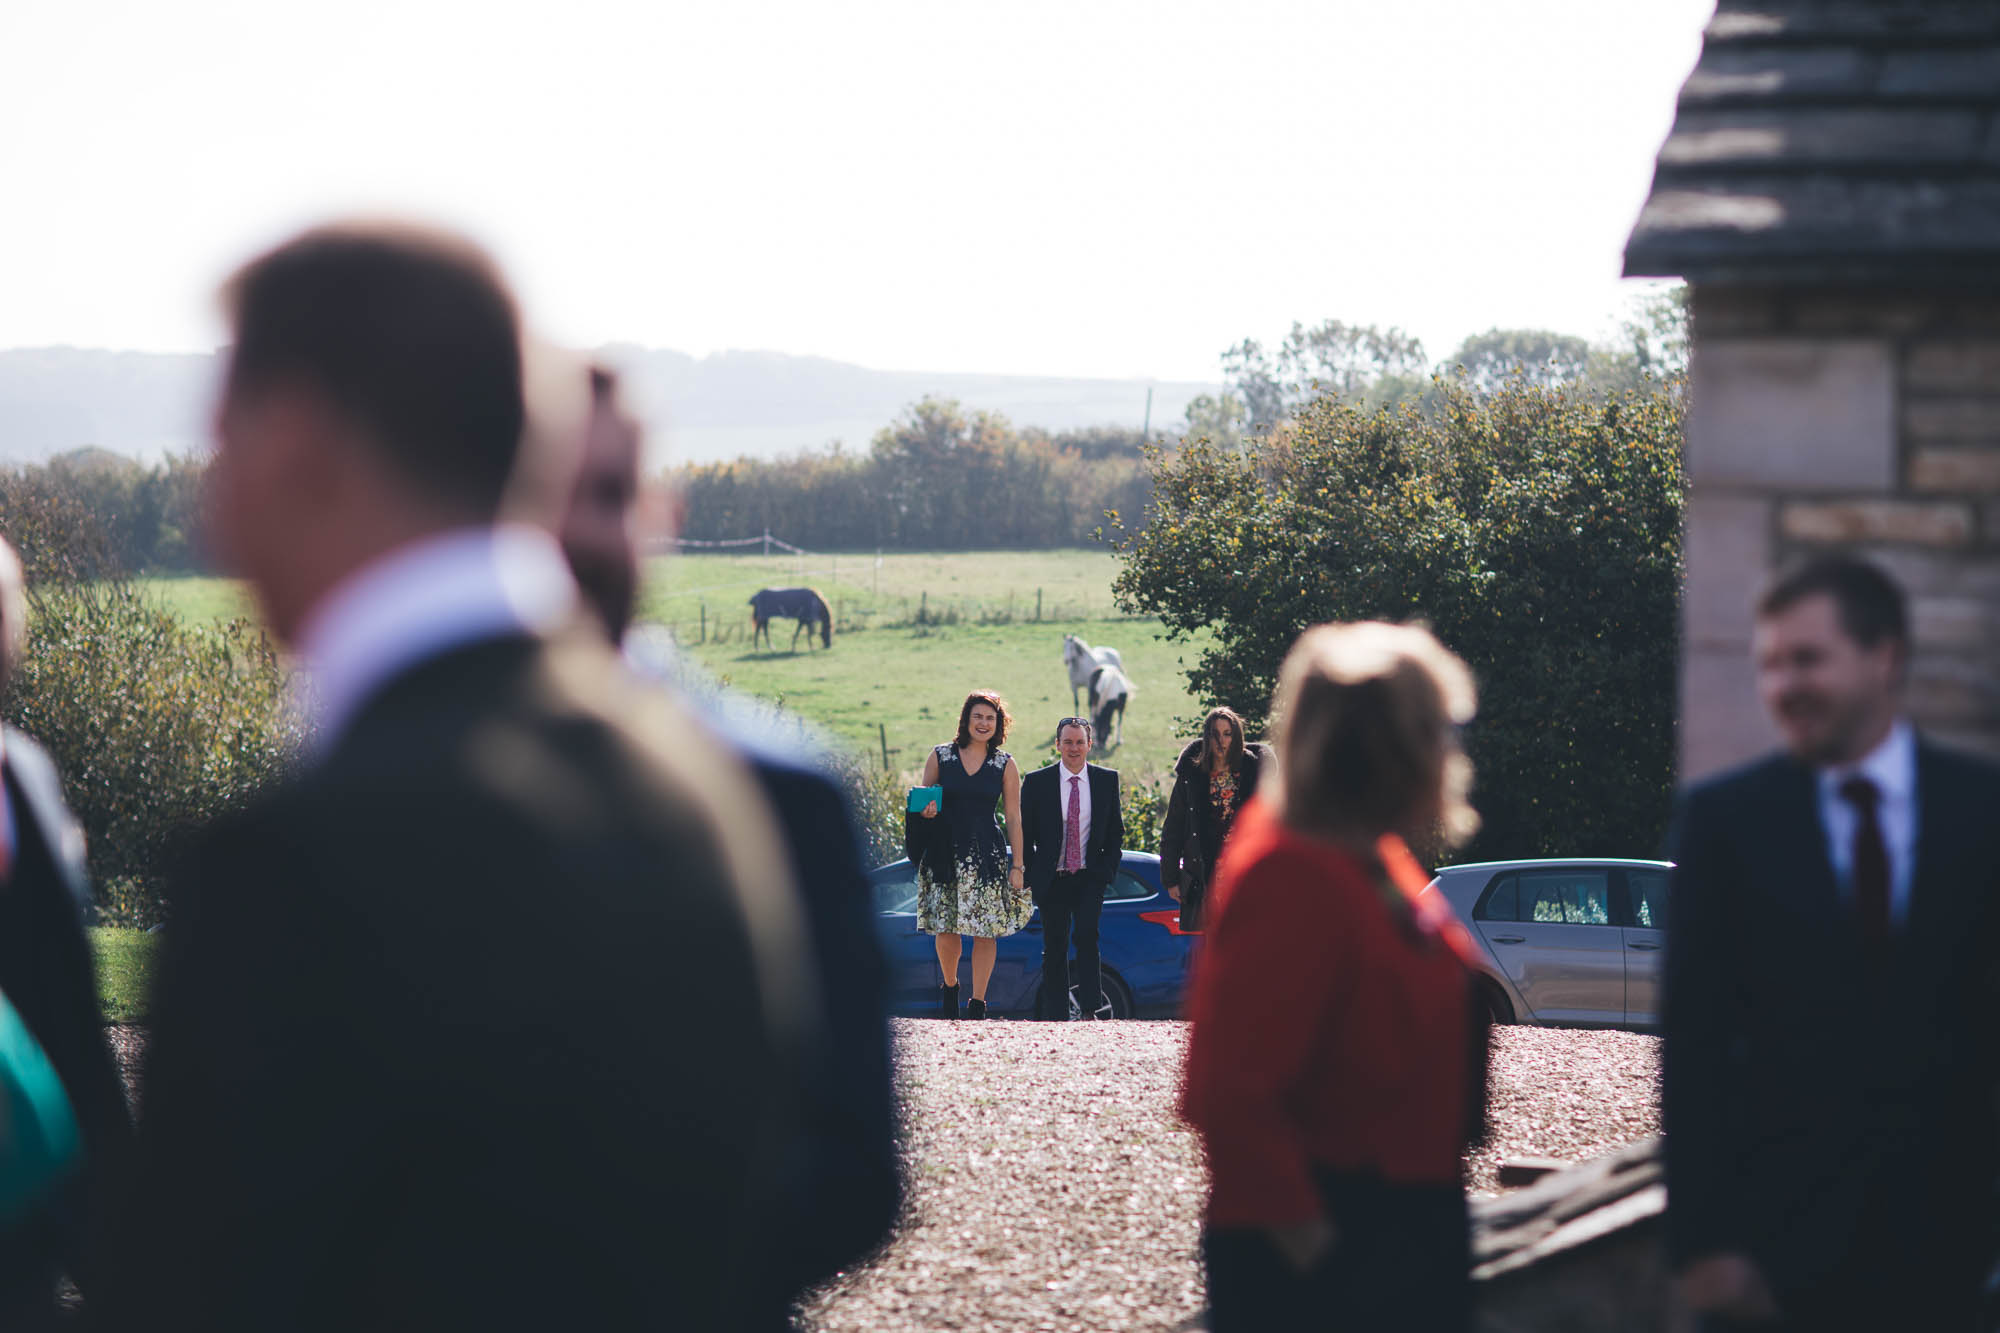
[1327,1029]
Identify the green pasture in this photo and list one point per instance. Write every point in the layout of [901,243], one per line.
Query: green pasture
[919,630]
[914,632]
[908,684]
[201,598]
[868,590]
[124,971]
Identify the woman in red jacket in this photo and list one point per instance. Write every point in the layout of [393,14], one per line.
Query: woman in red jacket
[1335,1064]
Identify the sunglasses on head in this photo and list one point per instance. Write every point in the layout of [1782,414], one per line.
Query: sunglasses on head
[1083,722]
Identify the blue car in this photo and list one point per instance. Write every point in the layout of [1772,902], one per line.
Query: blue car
[1146,954]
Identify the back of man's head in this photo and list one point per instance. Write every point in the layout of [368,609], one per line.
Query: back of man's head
[409,334]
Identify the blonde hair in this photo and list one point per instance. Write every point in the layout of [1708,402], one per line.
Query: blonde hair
[1366,734]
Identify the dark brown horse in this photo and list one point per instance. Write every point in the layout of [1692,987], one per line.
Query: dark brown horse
[804,605]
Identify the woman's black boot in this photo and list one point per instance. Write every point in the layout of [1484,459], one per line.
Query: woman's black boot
[975,1008]
[948,1002]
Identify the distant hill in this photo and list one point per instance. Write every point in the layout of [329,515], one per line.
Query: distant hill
[726,405]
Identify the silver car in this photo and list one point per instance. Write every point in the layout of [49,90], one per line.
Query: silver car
[1572,942]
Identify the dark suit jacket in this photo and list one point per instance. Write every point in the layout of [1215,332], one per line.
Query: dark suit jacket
[845,1185]
[487,1019]
[1807,1107]
[46,971]
[1043,796]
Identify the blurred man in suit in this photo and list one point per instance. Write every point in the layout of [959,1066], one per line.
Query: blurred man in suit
[488,1017]
[1075,836]
[1830,1008]
[842,1188]
[46,973]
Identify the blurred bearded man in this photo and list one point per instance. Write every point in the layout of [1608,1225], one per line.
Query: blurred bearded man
[488,1017]
[841,1188]
[1830,1007]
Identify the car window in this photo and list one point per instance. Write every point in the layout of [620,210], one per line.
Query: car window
[1502,902]
[1649,897]
[1566,897]
[1126,886]
[896,892]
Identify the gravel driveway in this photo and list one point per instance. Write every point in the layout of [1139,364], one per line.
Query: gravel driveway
[1051,1186]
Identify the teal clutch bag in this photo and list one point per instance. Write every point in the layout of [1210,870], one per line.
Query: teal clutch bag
[923,796]
[39,1145]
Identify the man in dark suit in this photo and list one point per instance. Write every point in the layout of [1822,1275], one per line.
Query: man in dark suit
[488,1017]
[1074,833]
[1830,1007]
[842,1186]
[46,973]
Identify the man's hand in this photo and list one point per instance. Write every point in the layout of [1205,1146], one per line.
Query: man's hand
[1174,892]
[1304,1243]
[1730,1285]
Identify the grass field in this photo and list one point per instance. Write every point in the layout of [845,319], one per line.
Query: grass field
[886,671]
[867,591]
[124,971]
[201,598]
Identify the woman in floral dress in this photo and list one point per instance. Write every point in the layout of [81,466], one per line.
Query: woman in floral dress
[971,876]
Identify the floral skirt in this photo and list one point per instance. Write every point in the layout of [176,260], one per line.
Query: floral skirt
[970,904]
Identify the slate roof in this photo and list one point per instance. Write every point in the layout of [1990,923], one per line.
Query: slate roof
[1832,140]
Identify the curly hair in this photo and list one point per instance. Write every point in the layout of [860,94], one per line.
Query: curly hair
[992,700]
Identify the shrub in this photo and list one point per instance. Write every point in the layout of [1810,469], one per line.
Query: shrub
[1537,529]
[157,726]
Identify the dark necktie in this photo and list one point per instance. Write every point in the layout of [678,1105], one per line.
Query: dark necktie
[1871,866]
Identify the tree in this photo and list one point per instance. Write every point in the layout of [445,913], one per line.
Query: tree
[1536,528]
[1537,355]
[1357,361]
[1217,419]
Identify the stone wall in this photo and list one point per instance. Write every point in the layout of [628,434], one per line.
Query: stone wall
[1864,419]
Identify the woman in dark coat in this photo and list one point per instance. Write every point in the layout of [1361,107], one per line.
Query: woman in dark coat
[1214,776]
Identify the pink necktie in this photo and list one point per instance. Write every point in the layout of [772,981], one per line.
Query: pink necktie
[1073,829]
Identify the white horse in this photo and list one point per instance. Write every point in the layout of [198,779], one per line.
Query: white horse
[1082,659]
[1110,687]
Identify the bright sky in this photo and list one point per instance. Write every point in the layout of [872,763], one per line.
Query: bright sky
[1068,188]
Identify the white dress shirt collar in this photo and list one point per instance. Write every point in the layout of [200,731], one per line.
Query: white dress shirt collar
[425,599]
[1891,766]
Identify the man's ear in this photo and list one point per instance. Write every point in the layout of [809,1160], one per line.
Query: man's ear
[307,443]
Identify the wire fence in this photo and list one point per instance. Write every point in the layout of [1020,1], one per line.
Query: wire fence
[860,604]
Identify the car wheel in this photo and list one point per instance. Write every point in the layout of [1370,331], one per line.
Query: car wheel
[1116,994]
[1497,1008]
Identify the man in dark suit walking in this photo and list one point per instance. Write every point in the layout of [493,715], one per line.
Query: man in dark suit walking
[842,1185]
[46,973]
[1074,833]
[1830,1006]
[489,1016]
